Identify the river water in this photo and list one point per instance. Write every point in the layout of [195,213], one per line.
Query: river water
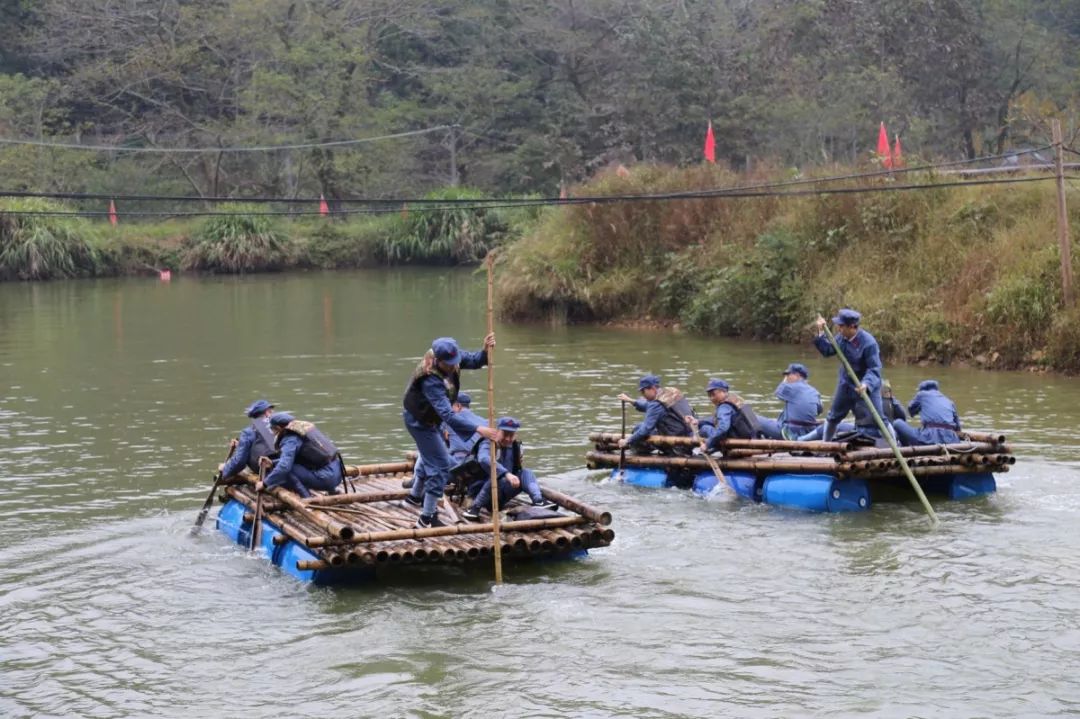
[117,398]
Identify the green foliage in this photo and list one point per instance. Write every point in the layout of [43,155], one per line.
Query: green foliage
[40,247]
[355,243]
[452,235]
[760,297]
[238,242]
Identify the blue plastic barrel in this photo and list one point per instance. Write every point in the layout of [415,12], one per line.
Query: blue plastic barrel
[743,483]
[641,477]
[816,492]
[965,486]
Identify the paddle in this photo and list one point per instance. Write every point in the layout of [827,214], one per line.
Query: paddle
[491,418]
[881,427]
[213,490]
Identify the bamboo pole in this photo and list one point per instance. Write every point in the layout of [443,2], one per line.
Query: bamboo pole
[929,449]
[772,464]
[567,502]
[987,437]
[332,527]
[330,500]
[491,417]
[398,534]
[364,470]
[612,439]
[1064,243]
[885,432]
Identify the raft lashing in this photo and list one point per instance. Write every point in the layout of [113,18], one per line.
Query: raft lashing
[815,476]
[347,537]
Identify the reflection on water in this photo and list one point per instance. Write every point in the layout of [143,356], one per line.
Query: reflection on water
[117,400]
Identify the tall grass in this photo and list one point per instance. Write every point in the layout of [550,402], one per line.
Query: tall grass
[40,247]
[238,242]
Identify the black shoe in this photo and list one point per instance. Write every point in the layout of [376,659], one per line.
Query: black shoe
[427,521]
[411,501]
[472,514]
[544,503]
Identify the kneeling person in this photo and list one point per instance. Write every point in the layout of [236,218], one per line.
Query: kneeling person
[940,422]
[309,460]
[511,475]
[256,440]
[665,411]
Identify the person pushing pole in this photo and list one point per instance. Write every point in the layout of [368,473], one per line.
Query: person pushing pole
[864,383]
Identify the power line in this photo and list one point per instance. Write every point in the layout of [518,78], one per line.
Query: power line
[246,148]
[419,201]
[539,202]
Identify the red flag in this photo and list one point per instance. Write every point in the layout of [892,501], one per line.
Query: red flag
[883,148]
[897,154]
[165,275]
[324,209]
[112,212]
[710,144]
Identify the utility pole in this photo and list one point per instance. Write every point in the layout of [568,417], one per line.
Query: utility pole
[1064,244]
[452,139]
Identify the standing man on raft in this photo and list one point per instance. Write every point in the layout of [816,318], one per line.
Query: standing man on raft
[427,405]
[861,350]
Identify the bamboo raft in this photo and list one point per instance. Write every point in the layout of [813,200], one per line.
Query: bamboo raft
[823,476]
[331,538]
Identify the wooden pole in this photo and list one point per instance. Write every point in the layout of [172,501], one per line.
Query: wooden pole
[491,417]
[1064,245]
[882,428]
[622,449]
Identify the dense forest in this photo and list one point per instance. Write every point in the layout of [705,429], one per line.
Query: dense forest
[511,97]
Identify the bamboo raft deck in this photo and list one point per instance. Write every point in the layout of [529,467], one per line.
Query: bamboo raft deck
[750,465]
[328,537]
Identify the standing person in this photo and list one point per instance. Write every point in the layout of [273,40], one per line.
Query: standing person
[940,422]
[891,410]
[665,411]
[861,350]
[459,443]
[427,404]
[802,405]
[309,460]
[734,417]
[256,440]
[510,475]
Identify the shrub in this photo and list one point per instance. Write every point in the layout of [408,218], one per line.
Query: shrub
[238,242]
[447,234]
[40,247]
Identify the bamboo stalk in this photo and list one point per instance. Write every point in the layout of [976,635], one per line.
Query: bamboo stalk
[612,439]
[364,470]
[524,525]
[929,449]
[332,527]
[988,437]
[330,500]
[567,502]
[311,564]
[776,464]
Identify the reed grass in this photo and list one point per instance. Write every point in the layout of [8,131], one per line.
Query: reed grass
[43,247]
[238,243]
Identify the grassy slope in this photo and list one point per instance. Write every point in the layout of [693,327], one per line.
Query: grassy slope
[942,275]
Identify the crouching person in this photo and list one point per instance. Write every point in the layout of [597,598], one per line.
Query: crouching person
[512,477]
[309,460]
[940,421]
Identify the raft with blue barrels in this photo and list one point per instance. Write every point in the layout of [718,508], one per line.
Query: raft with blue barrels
[349,536]
[815,476]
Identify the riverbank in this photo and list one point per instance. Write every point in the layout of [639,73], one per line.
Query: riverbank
[39,243]
[942,275]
